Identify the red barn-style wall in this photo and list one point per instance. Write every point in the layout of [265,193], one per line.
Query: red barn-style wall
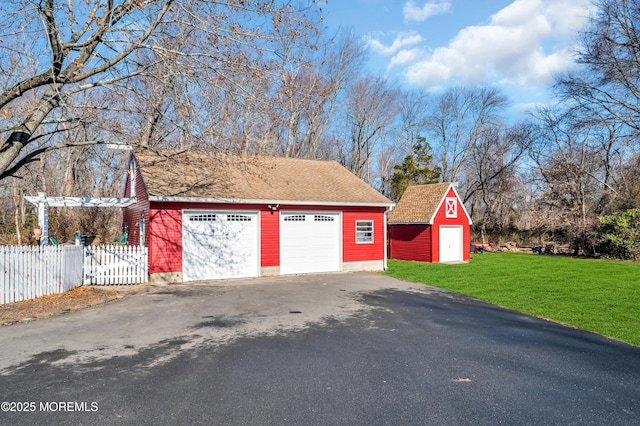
[133,214]
[165,239]
[403,240]
[353,251]
[416,224]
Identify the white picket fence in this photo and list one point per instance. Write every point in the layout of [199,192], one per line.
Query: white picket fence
[30,272]
[111,265]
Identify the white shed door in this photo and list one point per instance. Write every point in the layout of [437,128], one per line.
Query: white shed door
[451,244]
[218,245]
[310,242]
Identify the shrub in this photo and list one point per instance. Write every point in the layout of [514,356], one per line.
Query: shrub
[619,235]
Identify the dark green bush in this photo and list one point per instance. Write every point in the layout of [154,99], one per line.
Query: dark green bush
[619,235]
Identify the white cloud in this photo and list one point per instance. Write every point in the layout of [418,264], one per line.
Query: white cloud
[525,43]
[412,12]
[402,40]
[407,56]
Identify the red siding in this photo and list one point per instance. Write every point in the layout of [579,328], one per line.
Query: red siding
[410,242]
[165,240]
[353,252]
[462,220]
[269,238]
[166,232]
[132,215]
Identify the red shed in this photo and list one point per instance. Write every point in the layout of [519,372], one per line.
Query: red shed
[430,224]
[211,216]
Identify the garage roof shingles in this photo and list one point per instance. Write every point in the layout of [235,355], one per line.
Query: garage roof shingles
[419,203]
[199,174]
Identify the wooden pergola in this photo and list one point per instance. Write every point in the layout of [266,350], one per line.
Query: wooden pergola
[43,203]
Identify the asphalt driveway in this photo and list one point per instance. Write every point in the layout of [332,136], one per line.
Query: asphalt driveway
[328,349]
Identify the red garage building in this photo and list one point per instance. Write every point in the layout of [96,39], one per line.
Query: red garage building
[212,216]
[430,224]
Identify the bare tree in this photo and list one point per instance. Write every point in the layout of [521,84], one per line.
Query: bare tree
[492,189]
[370,113]
[457,119]
[92,48]
[609,77]
[603,96]
[567,154]
[308,91]
[627,185]
[413,118]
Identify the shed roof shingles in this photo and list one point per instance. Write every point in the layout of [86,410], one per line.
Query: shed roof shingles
[197,174]
[419,203]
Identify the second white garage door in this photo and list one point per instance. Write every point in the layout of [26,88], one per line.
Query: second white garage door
[219,245]
[310,242]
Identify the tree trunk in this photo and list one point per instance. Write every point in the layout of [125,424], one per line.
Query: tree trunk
[22,135]
[16,212]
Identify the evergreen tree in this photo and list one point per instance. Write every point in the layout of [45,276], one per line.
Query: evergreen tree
[417,169]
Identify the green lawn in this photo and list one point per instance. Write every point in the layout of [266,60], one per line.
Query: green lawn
[602,296]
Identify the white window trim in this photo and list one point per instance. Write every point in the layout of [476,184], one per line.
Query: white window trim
[132,178]
[372,233]
[451,201]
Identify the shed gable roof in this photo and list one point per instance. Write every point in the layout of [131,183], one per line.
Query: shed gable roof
[172,174]
[419,203]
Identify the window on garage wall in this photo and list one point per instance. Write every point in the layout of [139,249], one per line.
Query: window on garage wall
[364,231]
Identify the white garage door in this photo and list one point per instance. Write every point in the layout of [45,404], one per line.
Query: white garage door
[310,242]
[451,244]
[219,245]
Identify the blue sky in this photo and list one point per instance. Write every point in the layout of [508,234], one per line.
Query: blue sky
[516,46]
